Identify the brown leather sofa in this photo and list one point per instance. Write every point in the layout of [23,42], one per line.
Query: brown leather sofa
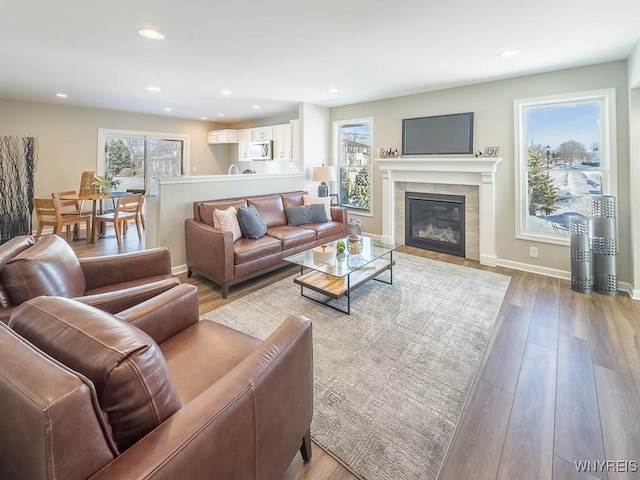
[154,393]
[213,253]
[49,266]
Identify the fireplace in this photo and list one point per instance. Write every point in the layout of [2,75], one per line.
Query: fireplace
[435,222]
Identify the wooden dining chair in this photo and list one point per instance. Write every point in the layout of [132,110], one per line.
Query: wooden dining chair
[48,214]
[126,211]
[143,193]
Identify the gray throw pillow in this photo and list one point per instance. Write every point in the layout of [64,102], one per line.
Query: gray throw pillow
[250,222]
[297,215]
[317,213]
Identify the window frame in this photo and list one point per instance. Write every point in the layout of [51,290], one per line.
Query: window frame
[104,133]
[608,152]
[337,143]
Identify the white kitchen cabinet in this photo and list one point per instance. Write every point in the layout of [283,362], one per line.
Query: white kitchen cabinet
[282,142]
[222,136]
[262,133]
[244,140]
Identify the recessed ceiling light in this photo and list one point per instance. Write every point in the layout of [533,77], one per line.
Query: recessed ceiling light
[333,90]
[225,92]
[153,89]
[151,34]
[221,114]
[257,106]
[203,118]
[509,53]
[62,95]
[167,109]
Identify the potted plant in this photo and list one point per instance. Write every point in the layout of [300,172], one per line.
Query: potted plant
[105,184]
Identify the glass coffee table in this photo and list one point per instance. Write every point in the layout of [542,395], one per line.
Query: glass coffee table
[335,275]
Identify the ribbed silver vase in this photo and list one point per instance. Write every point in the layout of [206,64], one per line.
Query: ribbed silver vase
[604,244]
[581,255]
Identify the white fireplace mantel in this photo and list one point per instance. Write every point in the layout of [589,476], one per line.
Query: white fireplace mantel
[448,171]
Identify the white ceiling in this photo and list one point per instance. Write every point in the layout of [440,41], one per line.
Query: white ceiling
[279,53]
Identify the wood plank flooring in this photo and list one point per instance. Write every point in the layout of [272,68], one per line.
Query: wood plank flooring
[558,383]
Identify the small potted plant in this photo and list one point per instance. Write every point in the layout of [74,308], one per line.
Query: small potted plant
[105,184]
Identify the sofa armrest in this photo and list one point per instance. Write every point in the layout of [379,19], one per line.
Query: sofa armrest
[163,316]
[252,421]
[5,314]
[339,214]
[118,300]
[209,251]
[124,267]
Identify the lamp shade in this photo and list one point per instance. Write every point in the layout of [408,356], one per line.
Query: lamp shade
[323,174]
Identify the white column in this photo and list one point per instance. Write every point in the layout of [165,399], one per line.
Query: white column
[388,214]
[487,213]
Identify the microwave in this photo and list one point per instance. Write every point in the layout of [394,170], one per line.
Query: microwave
[262,150]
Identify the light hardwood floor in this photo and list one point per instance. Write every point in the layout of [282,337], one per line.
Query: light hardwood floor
[558,383]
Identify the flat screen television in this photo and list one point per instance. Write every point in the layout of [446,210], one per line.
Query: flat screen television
[438,135]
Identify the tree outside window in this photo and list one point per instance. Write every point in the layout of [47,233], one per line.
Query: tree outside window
[353,151]
[565,158]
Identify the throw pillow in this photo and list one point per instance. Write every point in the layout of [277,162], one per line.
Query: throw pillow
[251,225]
[130,375]
[227,220]
[318,213]
[299,215]
[326,201]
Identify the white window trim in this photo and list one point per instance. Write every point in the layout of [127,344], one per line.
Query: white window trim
[103,133]
[336,156]
[608,144]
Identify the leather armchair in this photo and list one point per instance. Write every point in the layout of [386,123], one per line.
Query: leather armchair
[244,407]
[49,266]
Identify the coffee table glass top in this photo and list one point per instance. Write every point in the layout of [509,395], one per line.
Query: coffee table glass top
[327,259]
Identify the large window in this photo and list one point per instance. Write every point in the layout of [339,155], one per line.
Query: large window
[565,153]
[134,159]
[353,141]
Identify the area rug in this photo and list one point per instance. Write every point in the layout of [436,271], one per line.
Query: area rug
[391,379]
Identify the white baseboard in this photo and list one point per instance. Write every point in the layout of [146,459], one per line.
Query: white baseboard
[526,267]
[178,269]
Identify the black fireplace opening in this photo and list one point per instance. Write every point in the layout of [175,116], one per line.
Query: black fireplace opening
[435,222]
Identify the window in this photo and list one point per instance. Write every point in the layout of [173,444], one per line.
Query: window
[353,141]
[565,152]
[133,159]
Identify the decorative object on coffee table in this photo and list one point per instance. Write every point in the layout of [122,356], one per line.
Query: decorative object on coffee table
[323,175]
[604,244]
[581,255]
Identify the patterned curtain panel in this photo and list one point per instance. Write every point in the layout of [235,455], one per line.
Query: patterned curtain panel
[18,158]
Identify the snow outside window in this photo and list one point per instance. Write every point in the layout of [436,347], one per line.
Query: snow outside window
[565,153]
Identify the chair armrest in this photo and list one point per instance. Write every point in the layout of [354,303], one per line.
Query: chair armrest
[252,420]
[163,316]
[112,269]
[209,251]
[118,300]
[339,214]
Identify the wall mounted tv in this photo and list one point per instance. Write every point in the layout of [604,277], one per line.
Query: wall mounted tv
[438,135]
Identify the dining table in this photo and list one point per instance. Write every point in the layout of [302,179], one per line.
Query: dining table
[95,198]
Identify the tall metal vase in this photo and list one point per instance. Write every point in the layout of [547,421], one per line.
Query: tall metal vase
[604,244]
[581,255]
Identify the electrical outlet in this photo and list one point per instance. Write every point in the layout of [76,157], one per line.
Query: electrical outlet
[195,169]
[533,252]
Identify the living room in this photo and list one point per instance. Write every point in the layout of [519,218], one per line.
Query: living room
[68,141]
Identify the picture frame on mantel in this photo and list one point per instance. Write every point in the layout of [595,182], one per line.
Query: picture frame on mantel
[491,151]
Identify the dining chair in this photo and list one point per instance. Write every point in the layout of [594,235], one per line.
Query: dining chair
[143,192]
[69,209]
[49,214]
[126,211]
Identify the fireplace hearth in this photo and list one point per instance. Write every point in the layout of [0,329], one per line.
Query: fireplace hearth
[435,222]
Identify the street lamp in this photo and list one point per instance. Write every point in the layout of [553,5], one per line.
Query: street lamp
[548,149]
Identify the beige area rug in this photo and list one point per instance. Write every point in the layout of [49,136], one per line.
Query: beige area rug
[392,378]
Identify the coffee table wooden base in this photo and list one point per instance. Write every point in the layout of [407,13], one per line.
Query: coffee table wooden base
[335,288]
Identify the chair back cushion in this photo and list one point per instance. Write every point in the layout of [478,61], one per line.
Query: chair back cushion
[51,425]
[270,208]
[203,211]
[50,267]
[128,371]
[8,250]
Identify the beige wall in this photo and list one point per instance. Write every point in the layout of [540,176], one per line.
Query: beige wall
[68,139]
[494,126]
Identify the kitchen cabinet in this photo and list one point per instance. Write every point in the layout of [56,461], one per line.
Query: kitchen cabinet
[222,136]
[262,133]
[244,140]
[282,142]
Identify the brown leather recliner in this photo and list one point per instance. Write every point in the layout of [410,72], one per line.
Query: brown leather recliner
[154,393]
[49,266]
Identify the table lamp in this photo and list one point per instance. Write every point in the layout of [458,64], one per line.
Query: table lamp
[323,175]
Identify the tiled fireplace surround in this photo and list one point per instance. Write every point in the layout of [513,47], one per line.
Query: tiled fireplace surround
[472,177]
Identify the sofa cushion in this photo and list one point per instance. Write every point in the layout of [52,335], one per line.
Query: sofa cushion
[306,214]
[227,221]
[49,267]
[250,222]
[293,199]
[291,236]
[326,201]
[205,210]
[324,230]
[130,375]
[247,249]
[270,208]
